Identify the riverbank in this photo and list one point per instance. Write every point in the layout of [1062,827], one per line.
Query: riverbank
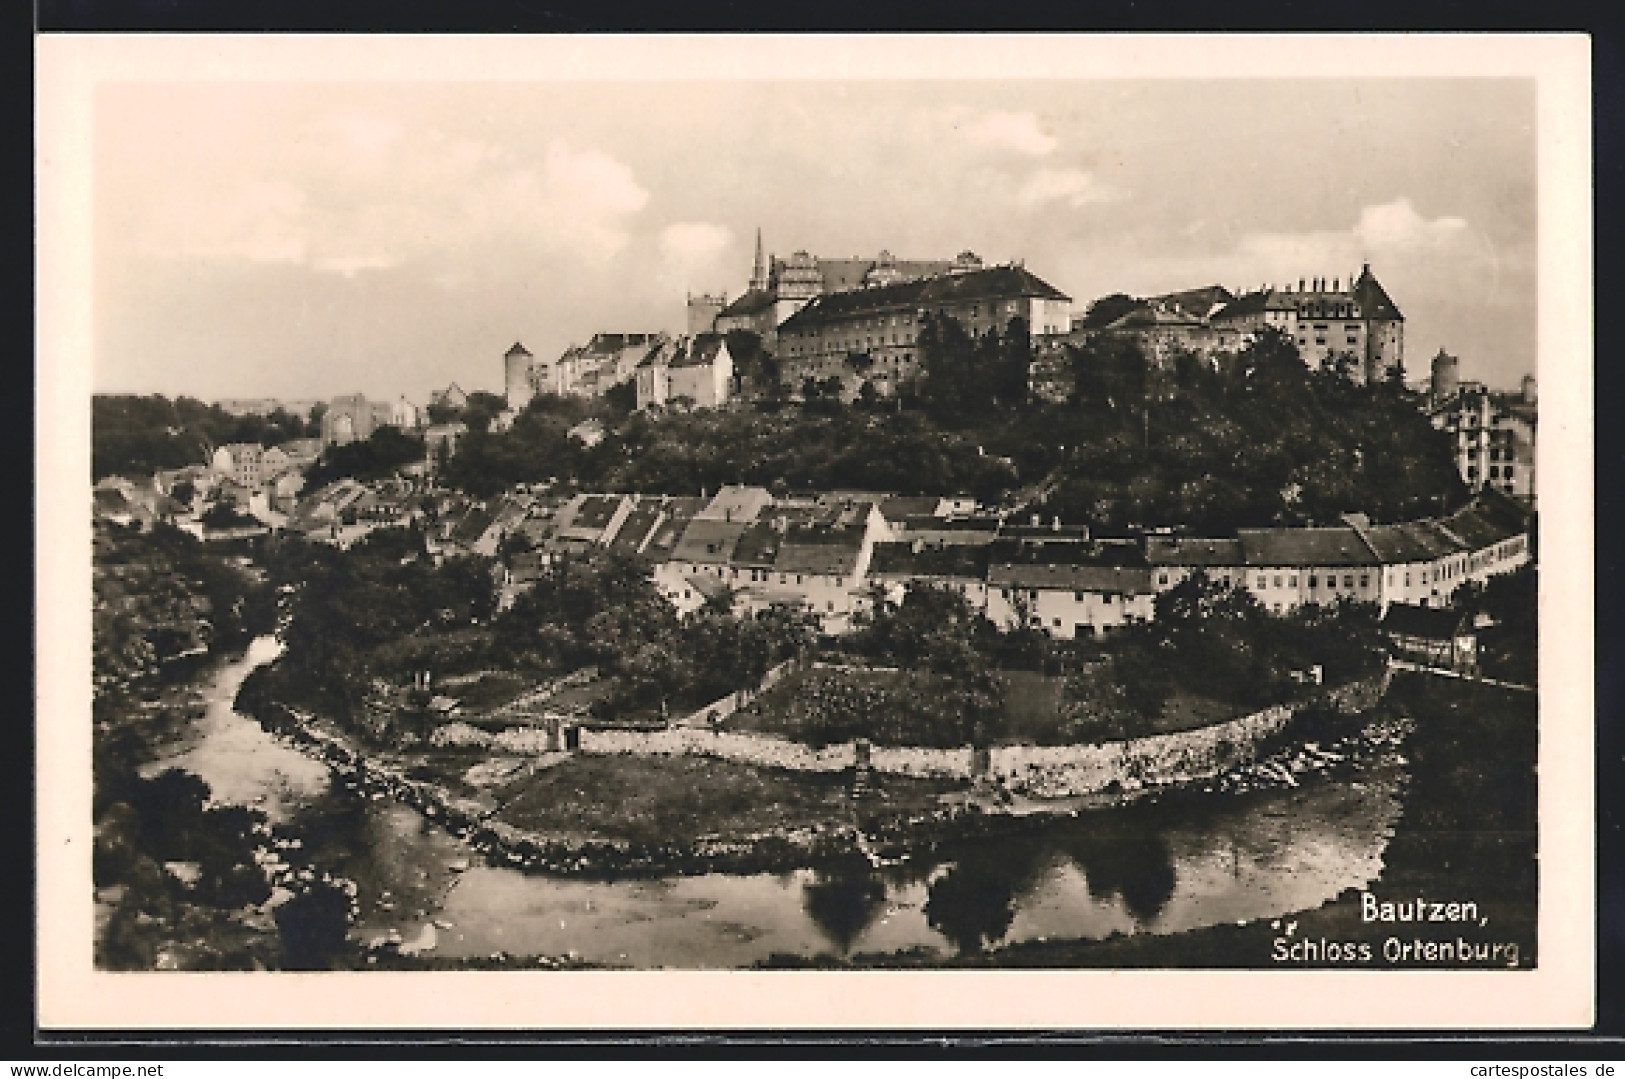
[1466,834]
[627,815]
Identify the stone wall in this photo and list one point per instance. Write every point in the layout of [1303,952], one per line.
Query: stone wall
[1035,771]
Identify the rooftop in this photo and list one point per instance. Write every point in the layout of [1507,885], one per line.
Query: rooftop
[904,560]
[1179,551]
[999,282]
[1117,580]
[1336,546]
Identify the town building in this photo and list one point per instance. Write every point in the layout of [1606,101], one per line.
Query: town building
[696,371]
[353,418]
[1356,323]
[779,287]
[870,334]
[1492,434]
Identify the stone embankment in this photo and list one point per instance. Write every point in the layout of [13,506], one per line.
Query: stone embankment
[1029,771]
[1222,756]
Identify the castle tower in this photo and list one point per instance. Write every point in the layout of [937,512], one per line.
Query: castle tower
[1446,376]
[758,273]
[516,376]
[703,311]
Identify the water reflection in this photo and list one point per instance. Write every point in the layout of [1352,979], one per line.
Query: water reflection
[843,900]
[1160,868]
[1119,860]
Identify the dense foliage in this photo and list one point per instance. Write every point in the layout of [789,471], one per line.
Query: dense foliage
[379,455]
[603,611]
[350,612]
[144,824]
[1257,440]
[1218,642]
[948,694]
[161,594]
[132,435]
[384,610]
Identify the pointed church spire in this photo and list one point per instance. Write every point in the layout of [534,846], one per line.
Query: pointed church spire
[758,273]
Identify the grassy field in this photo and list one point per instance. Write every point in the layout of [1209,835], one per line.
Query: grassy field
[1035,705]
[657,800]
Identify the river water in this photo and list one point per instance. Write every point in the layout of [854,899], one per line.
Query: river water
[1147,868]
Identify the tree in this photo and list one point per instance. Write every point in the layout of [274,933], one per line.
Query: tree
[314,926]
[1108,309]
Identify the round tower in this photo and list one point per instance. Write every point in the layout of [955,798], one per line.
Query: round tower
[516,376]
[1446,375]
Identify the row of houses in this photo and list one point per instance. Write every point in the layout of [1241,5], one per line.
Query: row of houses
[827,554]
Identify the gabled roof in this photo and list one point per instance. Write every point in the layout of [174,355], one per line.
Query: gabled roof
[752,302]
[1412,541]
[901,508]
[1435,623]
[1116,580]
[1337,546]
[1180,551]
[518,350]
[832,559]
[737,503]
[637,526]
[1246,305]
[758,546]
[1373,299]
[676,513]
[1477,528]
[699,351]
[999,282]
[902,560]
[709,541]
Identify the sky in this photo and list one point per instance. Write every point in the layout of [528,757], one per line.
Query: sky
[302,240]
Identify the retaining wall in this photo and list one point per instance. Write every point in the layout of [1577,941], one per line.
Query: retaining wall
[1036,771]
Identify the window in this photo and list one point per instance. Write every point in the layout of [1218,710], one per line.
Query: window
[1292,581]
[1107,599]
[1261,583]
[1077,598]
[1057,623]
[1033,595]
[1312,580]
[1277,580]
[1162,578]
[1348,580]
[1365,580]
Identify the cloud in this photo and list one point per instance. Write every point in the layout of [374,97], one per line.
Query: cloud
[693,241]
[1072,186]
[363,193]
[1397,224]
[1019,132]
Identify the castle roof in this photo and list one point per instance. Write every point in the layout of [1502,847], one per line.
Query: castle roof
[518,350]
[751,302]
[1373,299]
[998,282]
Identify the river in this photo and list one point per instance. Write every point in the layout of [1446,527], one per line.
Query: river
[1148,868]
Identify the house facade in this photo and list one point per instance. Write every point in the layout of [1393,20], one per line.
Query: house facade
[871,334]
[697,370]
